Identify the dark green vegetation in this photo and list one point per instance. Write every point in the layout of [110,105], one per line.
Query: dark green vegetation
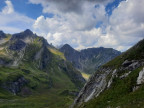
[122,92]
[34,74]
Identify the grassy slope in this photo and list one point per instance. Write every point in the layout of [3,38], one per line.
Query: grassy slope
[134,53]
[47,87]
[42,94]
[120,93]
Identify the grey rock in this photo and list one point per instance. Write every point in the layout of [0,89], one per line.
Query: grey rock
[5,62]
[135,88]
[125,75]
[134,65]
[126,63]
[140,78]
[2,62]
[22,35]
[15,86]
[111,80]
[18,45]
[99,82]
[96,84]
[2,35]
[45,58]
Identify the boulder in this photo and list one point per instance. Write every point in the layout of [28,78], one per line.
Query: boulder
[140,78]
[126,63]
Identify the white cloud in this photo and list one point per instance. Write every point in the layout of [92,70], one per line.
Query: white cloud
[9,8]
[77,25]
[72,28]
[126,23]
[13,22]
[122,29]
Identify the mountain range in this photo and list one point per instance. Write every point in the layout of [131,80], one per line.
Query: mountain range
[89,60]
[35,74]
[117,84]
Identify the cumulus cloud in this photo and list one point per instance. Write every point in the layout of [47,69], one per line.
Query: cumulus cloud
[126,22]
[121,30]
[12,21]
[8,9]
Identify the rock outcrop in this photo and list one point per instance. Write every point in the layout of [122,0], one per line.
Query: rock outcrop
[140,79]
[121,68]
[100,81]
[2,35]
[37,61]
[18,45]
[15,86]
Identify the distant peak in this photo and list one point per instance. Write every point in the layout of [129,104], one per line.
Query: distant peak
[28,31]
[22,35]
[1,32]
[67,45]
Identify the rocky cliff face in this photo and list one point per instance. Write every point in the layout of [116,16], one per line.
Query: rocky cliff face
[2,35]
[71,54]
[16,85]
[121,77]
[27,51]
[89,60]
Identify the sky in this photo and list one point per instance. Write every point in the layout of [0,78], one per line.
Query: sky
[117,24]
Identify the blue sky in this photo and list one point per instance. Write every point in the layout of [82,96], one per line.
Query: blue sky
[26,8]
[80,23]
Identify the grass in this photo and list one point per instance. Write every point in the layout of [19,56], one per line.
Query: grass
[43,95]
[45,99]
[2,52]
[134,53]
[120,94]
[45,84]
[58,53]
[8,36]
[85,75]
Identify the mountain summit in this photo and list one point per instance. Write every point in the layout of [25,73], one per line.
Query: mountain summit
[89,60]
[31,68]
[23,35]
[28,32]
[2,35]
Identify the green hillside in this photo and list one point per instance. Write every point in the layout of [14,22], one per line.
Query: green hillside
[124,91]
[34,74]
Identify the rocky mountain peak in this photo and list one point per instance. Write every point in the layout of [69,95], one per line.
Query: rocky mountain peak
[2,34]
[28,32]
[28,62]
[90,59]
[67,47]
[23,35]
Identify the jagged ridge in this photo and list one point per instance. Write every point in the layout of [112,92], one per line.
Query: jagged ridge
[119,83]
[89,60]
[29,66]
